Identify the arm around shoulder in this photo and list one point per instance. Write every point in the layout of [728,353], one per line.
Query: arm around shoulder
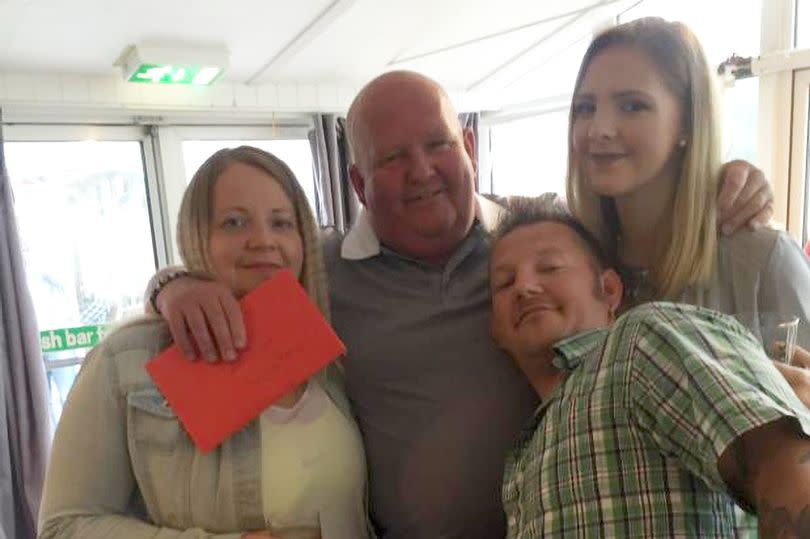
[203,315]
[160,278]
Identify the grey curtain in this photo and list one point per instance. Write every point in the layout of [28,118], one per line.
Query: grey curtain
[24,420]
[337,204]
[469,120]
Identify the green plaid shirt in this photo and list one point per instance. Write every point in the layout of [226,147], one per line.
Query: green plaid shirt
[628,444]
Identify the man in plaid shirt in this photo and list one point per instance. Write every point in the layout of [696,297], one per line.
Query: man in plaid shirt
[652,425]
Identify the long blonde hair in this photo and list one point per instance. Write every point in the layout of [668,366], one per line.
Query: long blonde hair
[688,244]
[197,207]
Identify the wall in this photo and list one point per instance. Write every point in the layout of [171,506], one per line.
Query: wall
[38,91]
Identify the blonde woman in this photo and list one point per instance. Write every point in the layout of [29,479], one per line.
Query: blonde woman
[644,163]
[122,465]
[643,169]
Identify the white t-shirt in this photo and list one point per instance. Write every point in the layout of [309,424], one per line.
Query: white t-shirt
[312,468]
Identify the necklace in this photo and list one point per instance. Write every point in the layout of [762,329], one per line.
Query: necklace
[638,286]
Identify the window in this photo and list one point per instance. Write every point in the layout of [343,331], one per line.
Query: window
[806,233]
[183,148]
[740,104]
[722,26]
[720,37]
[296,153]
[798,215]
[85,230]
[530,155]
[803,24]
[85,197]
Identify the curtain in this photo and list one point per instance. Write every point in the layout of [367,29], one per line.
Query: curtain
[469,120]
[336,202]
[24,420]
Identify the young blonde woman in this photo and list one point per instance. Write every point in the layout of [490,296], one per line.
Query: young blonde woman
[644,162]
[122,465]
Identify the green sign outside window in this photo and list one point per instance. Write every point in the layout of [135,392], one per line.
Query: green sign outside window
[53,340]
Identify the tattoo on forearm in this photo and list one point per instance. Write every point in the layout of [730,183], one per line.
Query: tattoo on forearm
[741,461]
[780,522]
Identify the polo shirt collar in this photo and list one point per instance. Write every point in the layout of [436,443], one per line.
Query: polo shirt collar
[570,352]
[361,242]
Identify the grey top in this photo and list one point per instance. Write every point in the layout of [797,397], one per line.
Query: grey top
[438,405]
[762,277]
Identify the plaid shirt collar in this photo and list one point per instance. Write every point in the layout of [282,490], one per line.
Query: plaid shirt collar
[571,351]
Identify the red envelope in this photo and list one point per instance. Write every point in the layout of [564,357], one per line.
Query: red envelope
[288,341]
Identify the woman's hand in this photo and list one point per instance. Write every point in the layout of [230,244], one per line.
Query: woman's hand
[798,378]
[801,358]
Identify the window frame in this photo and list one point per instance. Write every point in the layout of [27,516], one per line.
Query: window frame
[542,107]
[169,138]
[47,132]
[798,217]
[162,159]
[67,132]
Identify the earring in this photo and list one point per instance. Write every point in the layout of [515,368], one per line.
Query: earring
[611,314]
[682,143]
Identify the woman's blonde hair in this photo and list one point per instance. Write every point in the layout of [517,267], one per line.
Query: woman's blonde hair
[197,208]
[688,243]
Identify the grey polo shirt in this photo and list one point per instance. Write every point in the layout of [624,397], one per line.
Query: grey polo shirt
[438,405]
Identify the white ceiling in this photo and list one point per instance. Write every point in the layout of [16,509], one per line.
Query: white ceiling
[317,41]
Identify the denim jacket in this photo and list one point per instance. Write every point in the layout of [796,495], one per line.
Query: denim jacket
[122,465]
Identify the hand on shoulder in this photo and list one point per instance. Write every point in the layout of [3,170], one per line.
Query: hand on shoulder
[204,317]
[745,198]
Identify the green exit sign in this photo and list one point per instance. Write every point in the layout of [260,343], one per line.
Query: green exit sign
[175,74]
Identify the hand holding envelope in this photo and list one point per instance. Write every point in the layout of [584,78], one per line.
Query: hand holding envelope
[288,342]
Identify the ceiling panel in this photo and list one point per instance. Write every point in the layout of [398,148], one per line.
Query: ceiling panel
[360,39]
[452,21]
[462,66]
[87,36]
[373,33]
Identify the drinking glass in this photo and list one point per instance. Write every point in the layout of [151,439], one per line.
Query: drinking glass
[779,336]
